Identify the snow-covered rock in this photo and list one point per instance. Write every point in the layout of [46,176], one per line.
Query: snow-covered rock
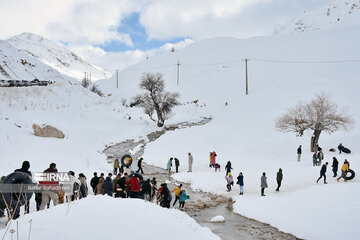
[218,219]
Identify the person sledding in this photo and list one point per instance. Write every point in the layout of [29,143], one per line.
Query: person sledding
[344,170]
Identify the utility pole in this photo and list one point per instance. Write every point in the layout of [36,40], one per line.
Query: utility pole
[117,78]
[178,73]
[246,76]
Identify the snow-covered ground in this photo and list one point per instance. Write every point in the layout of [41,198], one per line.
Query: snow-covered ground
[103,217]
[282,71]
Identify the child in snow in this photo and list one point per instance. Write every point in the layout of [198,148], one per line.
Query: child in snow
[230,181]
[182,198]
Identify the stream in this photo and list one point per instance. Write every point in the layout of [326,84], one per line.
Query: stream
[202,206]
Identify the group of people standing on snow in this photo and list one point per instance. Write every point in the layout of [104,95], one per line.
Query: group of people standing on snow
[177,163]
[50,191]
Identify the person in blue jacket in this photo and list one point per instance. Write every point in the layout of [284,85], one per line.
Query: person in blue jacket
[108,187]
[299,151]
[182,198]
[240,181]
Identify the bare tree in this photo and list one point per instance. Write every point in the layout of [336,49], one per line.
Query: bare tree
[155,98]
[318,115]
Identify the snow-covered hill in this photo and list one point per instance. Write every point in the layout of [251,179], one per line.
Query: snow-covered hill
[56,56]
[16,65]
[337,13]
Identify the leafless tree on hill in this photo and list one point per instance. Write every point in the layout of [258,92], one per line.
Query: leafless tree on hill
[320,114]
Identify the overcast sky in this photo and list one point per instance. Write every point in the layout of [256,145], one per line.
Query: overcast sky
[116,33]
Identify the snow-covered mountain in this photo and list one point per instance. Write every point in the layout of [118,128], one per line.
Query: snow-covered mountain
[56,56]
[17,65]
[337,13]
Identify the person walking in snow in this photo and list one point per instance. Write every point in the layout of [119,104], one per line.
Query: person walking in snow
[139,166]
[344,170]
[25,169]
[315,157]
[177,164]
[177,192]
[240,181]
[230,181]
[320,156]
[116,165]
[165,196]
[169,165]
[228,168]
[182,198]
[335,166]
[299,152]
[83,187]
[263,184]
[323,173]
[134,186]
[146,190]
[107,187]
[340,147]
[212,159]
[76,187]
[99,188]
[51,193]
[153,187]
[279,177]
[191,159]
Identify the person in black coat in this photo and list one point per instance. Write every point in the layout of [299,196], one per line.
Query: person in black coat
[279,177]
[146,190]
[335,166]
[177,164]
[322,173]
[94,181]
[108,186]
[165,196]
[139,166]
[25,169]
[228,168]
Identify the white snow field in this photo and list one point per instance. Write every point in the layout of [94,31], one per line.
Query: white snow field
[282,71]
[103,217]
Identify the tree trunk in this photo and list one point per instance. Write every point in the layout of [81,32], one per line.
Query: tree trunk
[315,140]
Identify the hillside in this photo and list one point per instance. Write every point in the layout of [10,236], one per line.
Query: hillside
[283,70]
[337,13]
[56,56]
[16,65]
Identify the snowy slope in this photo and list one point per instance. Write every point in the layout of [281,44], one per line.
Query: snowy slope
[56,56]
[102,217]
[16,65]
[337,13]
[282,71]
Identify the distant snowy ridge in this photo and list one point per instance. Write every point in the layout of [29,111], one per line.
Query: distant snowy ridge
[16,65]
[337,13]
[56,56]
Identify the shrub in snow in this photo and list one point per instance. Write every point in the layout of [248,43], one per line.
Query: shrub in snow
[155,98]
[85,83]
[218,219]
[96,90]
[318,115]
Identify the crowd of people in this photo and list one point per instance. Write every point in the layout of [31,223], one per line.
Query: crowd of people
[126,183]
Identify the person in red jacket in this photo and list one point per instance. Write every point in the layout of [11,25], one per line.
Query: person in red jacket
[135,186]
